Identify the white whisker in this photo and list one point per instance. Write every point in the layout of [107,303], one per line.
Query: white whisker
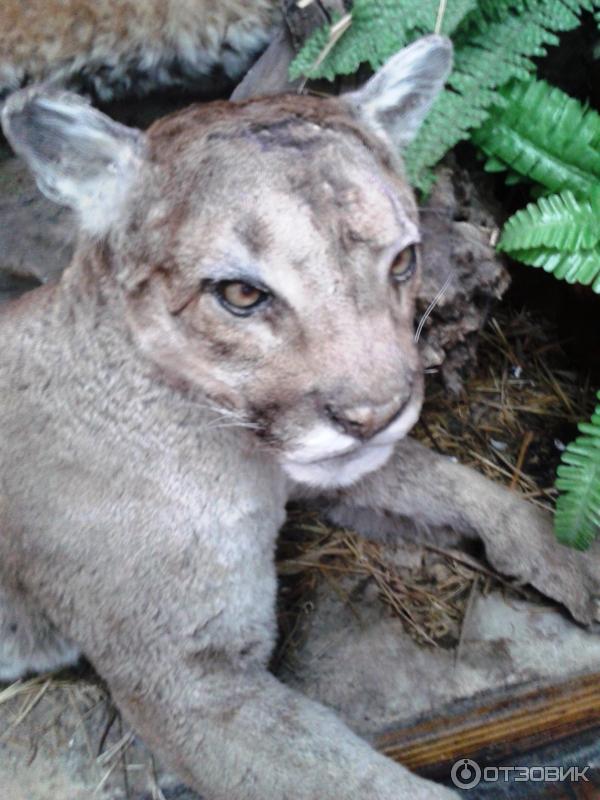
[227,418]
[431,306]
[217,425]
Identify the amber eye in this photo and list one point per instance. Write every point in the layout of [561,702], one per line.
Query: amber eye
[404,265]
[240,298]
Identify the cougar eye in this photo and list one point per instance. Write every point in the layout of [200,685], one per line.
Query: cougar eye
[404,265]
[240,298]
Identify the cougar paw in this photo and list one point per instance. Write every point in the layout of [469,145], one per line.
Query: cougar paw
[524,546]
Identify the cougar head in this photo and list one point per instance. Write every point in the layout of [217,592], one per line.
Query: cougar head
[267,252]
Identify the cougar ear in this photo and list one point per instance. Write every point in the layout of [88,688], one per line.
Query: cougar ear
[395,101]
[79,157]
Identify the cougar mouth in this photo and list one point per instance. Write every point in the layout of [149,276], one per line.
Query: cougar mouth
[339,471]
[327,458]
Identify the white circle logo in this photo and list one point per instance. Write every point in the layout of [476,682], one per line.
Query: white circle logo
[466,774]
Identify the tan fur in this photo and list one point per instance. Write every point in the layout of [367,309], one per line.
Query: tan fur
[151,438]
[120,46]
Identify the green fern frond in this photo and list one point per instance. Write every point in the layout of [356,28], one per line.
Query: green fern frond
[560,234]
[582,267]
[379,28]
[544,135]
[490,10]
[495,41]
[559,221]
[450,120]
[308,57]
[577,518]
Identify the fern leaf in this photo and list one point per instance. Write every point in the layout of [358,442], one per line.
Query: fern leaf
[304,63]
[449,121]
[379,28]
[497,9]
[582,267]
[560,234]
[577,517]
[544,135]
[559,222]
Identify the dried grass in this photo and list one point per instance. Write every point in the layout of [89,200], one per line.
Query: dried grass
[518,409]
[428,594]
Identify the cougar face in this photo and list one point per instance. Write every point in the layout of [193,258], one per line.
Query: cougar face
[268,254]
[279,261]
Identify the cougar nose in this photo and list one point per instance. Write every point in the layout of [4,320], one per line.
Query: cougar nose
[366,420]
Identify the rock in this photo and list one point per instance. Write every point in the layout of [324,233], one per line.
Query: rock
[359,659]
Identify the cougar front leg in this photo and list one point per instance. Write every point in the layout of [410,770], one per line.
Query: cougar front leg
[242,735]
[434,491]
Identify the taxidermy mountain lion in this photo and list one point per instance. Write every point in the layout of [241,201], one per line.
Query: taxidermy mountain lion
[236,328]
[113,47]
